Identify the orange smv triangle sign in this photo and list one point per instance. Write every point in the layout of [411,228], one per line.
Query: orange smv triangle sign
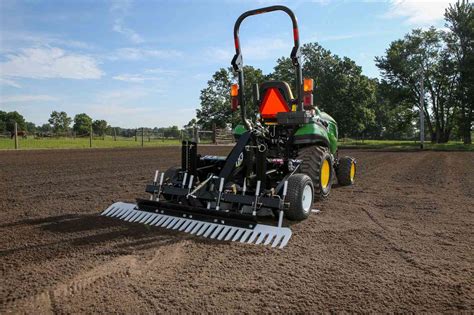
[273,103]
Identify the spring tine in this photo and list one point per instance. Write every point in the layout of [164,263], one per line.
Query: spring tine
[223,232]
[277,240]
[209,230]
[140,217]
[285,240]
[151,218]
[112,211]
[231,232]
[163,222]
[119,212]
[204,227]
[185,225]
[170,223]
[109,209]
[133,216]
[191,226]
[261,238]
[216,232]
[157,219]
[145,217]
[253,237]
[245,236]
[238,234]
[197,227]
[269,239]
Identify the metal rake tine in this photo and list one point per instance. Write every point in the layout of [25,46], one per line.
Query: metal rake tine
[245,236]
[204,227]
[197,227]
[269,239]
[109,209]
[191,226]
[223,232]
[140,217]
[165,222]
[156,220]
[238,234]
[209,230]
[117,212]
[111,212]
[178,224]
[277,240]
[216,232]
[253,237]
[146,217]
[185,225]
[285,240]
[230,234]
[162,221]
[261,238]
[151,218]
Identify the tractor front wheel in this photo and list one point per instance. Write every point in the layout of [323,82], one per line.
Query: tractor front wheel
[346,171]
[317,164]
[300,196]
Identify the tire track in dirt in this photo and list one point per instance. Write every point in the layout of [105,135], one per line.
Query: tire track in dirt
[49,301]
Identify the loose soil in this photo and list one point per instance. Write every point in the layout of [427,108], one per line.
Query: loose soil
[399,240]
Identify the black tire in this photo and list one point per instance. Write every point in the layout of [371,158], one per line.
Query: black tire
[346,171]
[313,159]
[300,207]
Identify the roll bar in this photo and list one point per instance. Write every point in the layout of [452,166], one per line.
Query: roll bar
[237,61]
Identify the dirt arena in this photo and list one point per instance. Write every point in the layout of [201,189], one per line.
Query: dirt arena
[400,240]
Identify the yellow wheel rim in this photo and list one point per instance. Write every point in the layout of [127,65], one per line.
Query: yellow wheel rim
[325,174]
[353,171]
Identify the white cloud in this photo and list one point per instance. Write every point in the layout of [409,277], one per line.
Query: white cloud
[141,53]
[155,74]
[135,78]
[49,62]
[26,98]
[4,81]
[255,49]
[133,36]
[121,8]
[11,40]
[418,12]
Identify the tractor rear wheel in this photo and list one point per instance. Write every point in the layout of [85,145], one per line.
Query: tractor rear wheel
[317,164]
[346,171]
[300,196]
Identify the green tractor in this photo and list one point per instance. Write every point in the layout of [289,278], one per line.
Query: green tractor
[282,162]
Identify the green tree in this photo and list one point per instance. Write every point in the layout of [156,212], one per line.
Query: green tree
[215,98]
[340,87]
[82,124]
[10,118]
[3,123]
[60,121]
[99,127]
[460,21]
[30,127]
[422,55]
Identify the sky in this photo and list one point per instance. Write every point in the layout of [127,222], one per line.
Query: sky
[143,63]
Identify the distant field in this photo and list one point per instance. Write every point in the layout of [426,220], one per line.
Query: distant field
[404,145]
[79,143]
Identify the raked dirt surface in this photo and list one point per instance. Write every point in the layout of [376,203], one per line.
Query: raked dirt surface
[400,240]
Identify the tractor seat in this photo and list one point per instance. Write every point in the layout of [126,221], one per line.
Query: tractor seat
[276,97]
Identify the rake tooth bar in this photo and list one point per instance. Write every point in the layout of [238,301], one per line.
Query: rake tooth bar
[259,234]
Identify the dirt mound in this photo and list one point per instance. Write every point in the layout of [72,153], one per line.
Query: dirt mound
[399,240]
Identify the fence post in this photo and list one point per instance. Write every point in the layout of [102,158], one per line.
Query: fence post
[90,137]
[214,130]
[115,134]
[136,130]
[142,136]
[16,135]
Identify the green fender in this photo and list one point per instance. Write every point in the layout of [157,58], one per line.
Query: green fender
[239,130]
[316,133]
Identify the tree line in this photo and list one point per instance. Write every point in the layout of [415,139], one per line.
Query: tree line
[60,124]
[386,108]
